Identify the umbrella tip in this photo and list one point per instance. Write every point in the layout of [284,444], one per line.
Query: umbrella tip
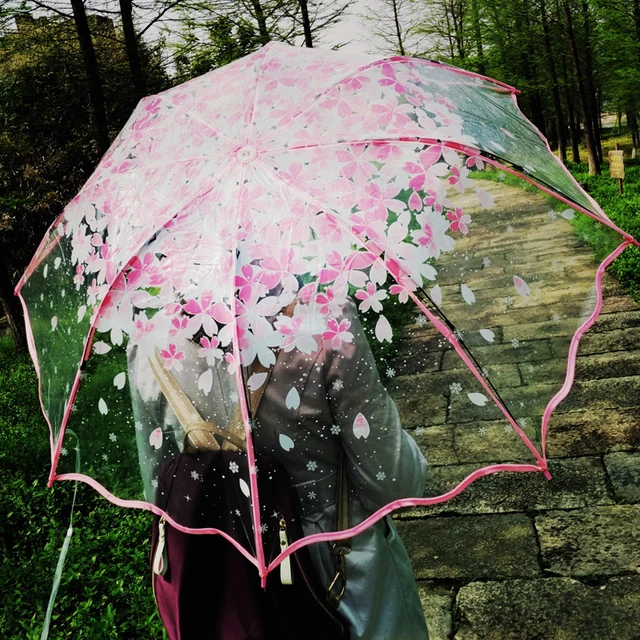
[547,475]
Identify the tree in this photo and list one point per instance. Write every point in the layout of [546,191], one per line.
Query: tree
[47,147]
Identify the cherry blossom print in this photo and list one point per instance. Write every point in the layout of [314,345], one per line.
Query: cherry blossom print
[433,233]
[337,332]
[383,330]
[521,286]
[361,428]
[286,442]
[209,349]
[459,221]
[292,401]
[172,358]
[155,438]
[371,298]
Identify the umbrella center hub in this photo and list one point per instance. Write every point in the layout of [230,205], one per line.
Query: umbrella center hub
[246,154]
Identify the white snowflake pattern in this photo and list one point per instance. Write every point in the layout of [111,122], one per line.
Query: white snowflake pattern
[195,475]
[507,428]
[421,321]
[112,437]
[338,385]
[455,388]
[554,265]
[312,495]
[187,498]
[63,451]
[233,467]
[585,237]
[381,475]
[552,215]
[501,176]
[523,422]
[556,318]
[237,512]
[509,229]
[233,396]
[335,430]
[264,527]
[139,426]
[391,372]
[482,430]
[154,483]
[419,430]
[530,368]
[105,457]
[312,466]
[509,301]
[486,262]
[515,343]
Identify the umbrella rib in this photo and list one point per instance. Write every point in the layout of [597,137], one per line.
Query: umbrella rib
[377,63]
[92,329]
[487,156]
[443,329]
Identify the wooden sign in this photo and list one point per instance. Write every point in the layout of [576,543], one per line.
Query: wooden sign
[616,164]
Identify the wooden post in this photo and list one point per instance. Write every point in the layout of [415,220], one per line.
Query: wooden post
[616,166]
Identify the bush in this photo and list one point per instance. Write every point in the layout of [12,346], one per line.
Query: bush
[106,586]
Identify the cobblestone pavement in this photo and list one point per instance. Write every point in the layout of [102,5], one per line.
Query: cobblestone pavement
[516,556]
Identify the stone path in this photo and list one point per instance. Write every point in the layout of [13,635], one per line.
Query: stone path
[515,556]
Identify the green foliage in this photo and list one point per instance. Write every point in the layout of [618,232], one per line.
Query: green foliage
[623,211]
[222,43]
[106,586]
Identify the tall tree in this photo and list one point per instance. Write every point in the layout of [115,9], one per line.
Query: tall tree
[592,154]
[92,72]
[131,42]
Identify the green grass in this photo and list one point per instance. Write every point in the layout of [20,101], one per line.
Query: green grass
[106,587]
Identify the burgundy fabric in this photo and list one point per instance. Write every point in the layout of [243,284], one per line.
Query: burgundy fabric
[210,591]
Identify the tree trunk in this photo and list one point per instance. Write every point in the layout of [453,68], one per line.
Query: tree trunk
[555,92]
[594,162]
[527,70]
[262,21]
[12,308]
[396,20]
[478,36]
[594,106]
[131,43]
[93,76]
[632,121]
[306,25]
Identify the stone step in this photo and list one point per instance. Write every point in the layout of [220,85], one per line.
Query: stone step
[591,431]
[437,603]
[575,483]
[596,541]
[624,471]
[471,547]
[549,609]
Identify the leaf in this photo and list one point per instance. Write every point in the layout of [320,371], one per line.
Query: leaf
[383,330]
[467,295]
[120,380]
[286,442]
[485,199]
[205,381]
[361,427]
[488,335]
[292,400]
[155,438]
[568,214]
[521,286]
[436,294]
[244,487]
[102,407]
[256,381]
[478,398]
[101,348]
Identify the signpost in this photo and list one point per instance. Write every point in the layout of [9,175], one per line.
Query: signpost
[616,166]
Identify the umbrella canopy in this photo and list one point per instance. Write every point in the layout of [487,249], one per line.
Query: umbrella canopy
[334,232]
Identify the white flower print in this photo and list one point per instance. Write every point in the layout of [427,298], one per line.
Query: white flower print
[381,475]
[312,466]
[455,388]
[233,467]
[335,430]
